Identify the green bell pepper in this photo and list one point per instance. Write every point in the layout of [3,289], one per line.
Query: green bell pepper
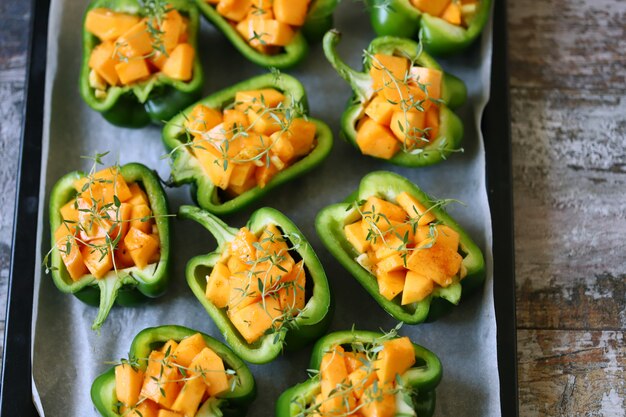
[421,380]
[319,19]
[187,169]
[312,321]
[453,93]
[330,224]
[231,403]
[155,100]
[401,18]
[128,287]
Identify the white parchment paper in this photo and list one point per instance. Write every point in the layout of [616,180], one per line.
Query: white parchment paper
[67,355]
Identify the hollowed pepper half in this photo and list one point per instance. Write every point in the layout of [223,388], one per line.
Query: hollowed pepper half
[453,94]
[232,403]
[439,37]
[319,19]
[187,169]
[330,223]
[129,286]
[313,318]
[419,382]
[156,98]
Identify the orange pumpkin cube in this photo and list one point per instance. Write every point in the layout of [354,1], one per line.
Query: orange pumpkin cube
[291,12]
[135,42]
[179,65]
[141,246]
[210,367]
[128,382]
[103,61]
[107,24]
[376,140]
[132,70]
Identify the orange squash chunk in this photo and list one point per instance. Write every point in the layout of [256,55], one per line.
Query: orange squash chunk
[121,256]
[432,122]
[210,368]
[378,402]
[380,110]
[391,264]
[430,77]
[128,382]
[179,65]
[396,357]
[255,319]
[390,284]
[171,27]
[141,246]
[138,195]
[189,398]
[140,218]
[159,382]
[218,286]
[437,262]
[376,140]
[292,296]
[69,211]
[408,128]
[102,61]
[233,9]
[416,288]
[361,379]
[452,14]
[258,99]
[354,361]
[414,208]
[135,42]
[333,372]
[98,260]
[147,408]
[387,70]
[242,246]
[132,71]
[73,260]
[291,12]
[187,349]
[270,32]
[264,174]
[202,119]
[261,9]
[107,24]
[302,136]
[431,7]
[356,235]
[168,413]
[381,213]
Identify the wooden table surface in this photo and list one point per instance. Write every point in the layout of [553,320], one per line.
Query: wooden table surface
[568,105]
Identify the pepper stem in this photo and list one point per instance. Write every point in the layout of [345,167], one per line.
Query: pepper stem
[220,230]
[361,82]
[109,287]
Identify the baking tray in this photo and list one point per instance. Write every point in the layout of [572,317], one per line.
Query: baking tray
[16,394]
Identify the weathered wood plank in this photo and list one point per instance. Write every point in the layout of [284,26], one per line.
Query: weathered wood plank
[565,373]
[568,44]
[569,165]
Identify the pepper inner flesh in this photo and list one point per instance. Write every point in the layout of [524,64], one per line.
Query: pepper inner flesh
[108,226]
[175,380]
[266,25]
[260,282]
[403,113]
[456,12]
[133,49]
[405,247]
[363,379]
[248,142]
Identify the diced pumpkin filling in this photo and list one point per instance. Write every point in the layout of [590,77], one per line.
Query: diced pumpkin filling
[266,25]
[248,143]
[133,49]
[258,282]
[108,225]
[403,113]
[362,381]
[456,12]
[405,247]
[178,379]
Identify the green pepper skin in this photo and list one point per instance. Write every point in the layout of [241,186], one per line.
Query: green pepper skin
[308,325]
[153,101]
[453,93]
[187,169]
[319,19]
[424,377]
[130,286]
[387,185]
[401,18]
[230,404]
